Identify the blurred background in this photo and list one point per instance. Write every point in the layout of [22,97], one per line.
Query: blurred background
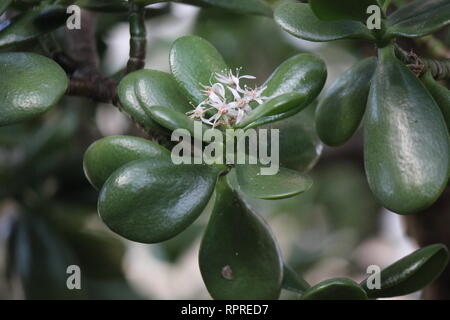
[48,216]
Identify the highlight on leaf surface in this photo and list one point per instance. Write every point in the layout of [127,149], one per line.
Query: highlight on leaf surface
[239,258]
[33,84]
[411,273]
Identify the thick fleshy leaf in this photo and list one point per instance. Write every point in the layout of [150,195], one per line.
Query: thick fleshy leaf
[193,62]
[144,89]
[440,94]
[411,273]
[304,74]
[30,85]
[335,289]
[258,7]
[299,20]
[341,110]
[419,18]
[41,259]
[172,119]
[292,281]
[4,5]
[30,25]
[272,110]
[108,154]
[239,258]
[151,201]
[406,147]
[332,10]
[286,183]
[299,145]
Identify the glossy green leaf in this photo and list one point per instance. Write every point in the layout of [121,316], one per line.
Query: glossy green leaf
[151,201]
[299,20]
[4,5]
[304,74]
[30,85]
[141,90]
[335,289]
[272,109]
[419,18]
[342,108]
[108,154]
[292,281]
[193,62]
[239,258]
[332,10]
[411,273]
[40,259]
[299,145]
[30,25]
[406,148]
[440,94]
[258,7]
[172,119]
[286,183]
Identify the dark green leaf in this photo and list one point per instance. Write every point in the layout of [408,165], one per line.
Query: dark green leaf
[151,201]
[141,90]
[30,25]
[292,281]
[332,10]
[335,289]
[239,258]
[440,94]
[341,110]
[286,183]
[172,119]
[107,155]
[193,62]
[419,18]
[406,147]
[272,109]
[411,273]
[30,85]
[299,20]
[304,74]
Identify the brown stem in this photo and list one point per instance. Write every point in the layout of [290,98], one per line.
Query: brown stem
[138,38]
[82,62]
[101,90]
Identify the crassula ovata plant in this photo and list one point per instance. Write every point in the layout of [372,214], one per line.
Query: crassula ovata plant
[146,197]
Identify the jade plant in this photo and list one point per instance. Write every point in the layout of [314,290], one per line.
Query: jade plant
[145,196]
[406,147]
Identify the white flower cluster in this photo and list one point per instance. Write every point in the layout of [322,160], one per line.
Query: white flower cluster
[227,113]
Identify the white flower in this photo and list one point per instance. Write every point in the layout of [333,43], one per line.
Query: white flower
[227,112]
[255,95]
[228,78]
